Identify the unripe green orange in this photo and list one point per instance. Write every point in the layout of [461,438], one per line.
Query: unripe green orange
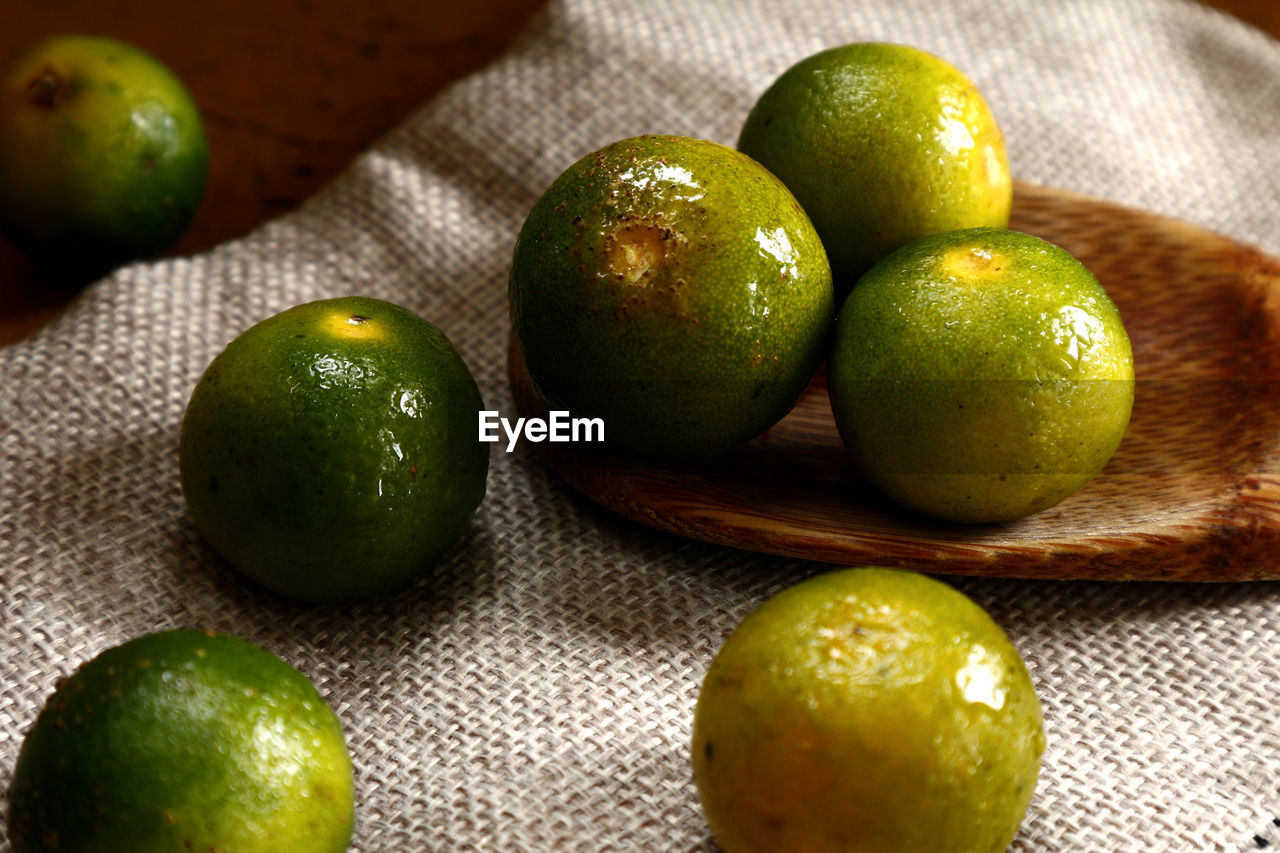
[882,144]
[331,451]
[180,741]
[980,375]
[103,156]
[867,711]
[673,288]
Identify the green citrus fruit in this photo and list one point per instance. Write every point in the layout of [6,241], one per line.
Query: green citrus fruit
[980,375]
[102,154]
[882,144]
[674,289]
[867,711]
[183,741]
[331,452]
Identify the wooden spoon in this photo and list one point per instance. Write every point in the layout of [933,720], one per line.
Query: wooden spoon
[1193,493]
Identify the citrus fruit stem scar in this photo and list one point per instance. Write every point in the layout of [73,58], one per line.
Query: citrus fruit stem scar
[974,262]
[636,249]
[46,86]
[352,326]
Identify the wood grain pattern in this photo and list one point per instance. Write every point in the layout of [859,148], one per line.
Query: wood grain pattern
[1192,494]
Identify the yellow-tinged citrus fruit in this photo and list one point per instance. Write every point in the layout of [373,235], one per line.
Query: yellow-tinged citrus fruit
[980,375]
[867,711]
[183,741]
[676,290]
[331,451]
[883,144]
[103,156]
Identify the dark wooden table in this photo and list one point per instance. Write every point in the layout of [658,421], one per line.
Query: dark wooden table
[291,90]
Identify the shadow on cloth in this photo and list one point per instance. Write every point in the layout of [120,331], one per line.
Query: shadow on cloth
[119,547]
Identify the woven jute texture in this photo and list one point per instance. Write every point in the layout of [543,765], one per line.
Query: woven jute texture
[536,691]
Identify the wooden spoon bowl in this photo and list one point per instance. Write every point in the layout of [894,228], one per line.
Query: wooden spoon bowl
[1193,493]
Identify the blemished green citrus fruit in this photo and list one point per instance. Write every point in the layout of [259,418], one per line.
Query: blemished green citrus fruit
[183,741]
[674,289]
[331,452]
[980,375]
[103,156]
[867,711]
[883,144]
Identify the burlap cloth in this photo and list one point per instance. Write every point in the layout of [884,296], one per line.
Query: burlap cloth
[536,692]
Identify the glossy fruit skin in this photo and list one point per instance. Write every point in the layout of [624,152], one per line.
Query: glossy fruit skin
[103,156]
[882,144]
[673,288]
[180,741]
[981,375]
[331,452]
[867,711]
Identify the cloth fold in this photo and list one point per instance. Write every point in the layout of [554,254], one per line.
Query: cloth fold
[536,691]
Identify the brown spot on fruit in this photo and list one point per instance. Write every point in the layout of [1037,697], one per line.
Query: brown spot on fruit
[48,88]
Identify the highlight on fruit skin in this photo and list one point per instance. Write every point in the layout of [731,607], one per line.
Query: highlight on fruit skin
[869,710]
[980,375]
[103,155]
[676,290]
[183,740]
[882,144]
